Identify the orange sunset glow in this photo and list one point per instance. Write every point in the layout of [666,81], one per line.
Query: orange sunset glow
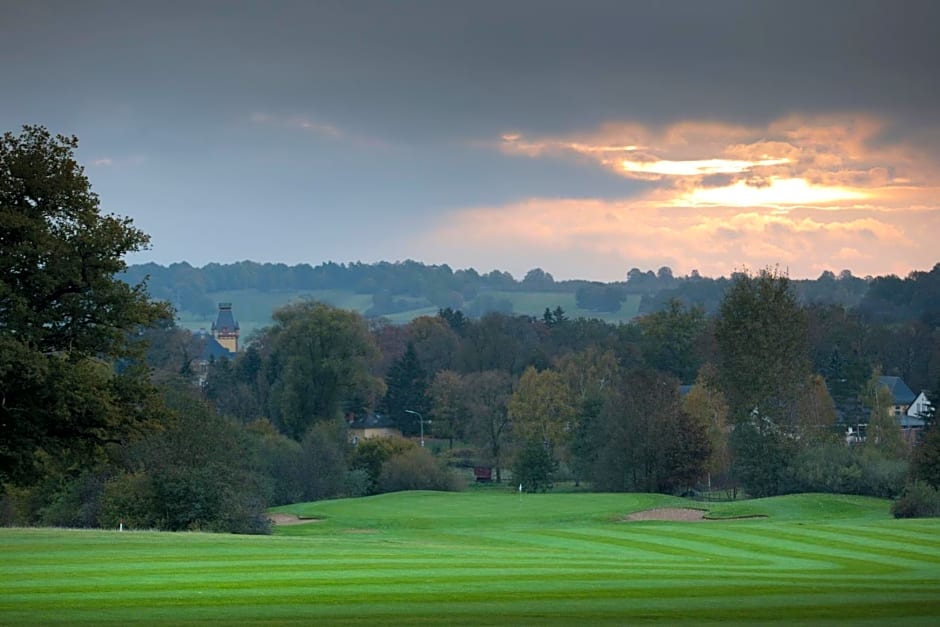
[771,192]
[808,193]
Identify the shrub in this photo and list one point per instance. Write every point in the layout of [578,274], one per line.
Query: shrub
[324,461]
[919,500]
[882,475]
[62,498]
[416,469]
[357,482]
[279,459]
[21,505]
[77,504]
[826,467]
[370,455]
[835,468]
[196,474]
[128,500]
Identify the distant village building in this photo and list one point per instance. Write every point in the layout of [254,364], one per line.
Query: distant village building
[920,407]
[221,343]
[372,426]
[901,395]
[909,410]
[225,328]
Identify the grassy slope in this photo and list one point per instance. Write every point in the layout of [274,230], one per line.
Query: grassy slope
[253,307]
[534,304]
[493,558]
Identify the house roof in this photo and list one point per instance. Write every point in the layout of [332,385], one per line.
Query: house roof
[214,350]
[911,422]
[899,390]
[373,421]
[225,321]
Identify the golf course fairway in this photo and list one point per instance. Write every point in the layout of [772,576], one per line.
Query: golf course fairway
[494,557]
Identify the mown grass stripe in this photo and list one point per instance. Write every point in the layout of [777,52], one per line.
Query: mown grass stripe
[491,558]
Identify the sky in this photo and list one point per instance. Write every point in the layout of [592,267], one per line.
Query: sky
[584,138]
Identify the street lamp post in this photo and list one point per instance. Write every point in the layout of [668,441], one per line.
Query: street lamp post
[420,422]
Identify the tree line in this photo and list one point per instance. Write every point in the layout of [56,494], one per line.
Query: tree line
[603,403]
[102,423]
[409,284]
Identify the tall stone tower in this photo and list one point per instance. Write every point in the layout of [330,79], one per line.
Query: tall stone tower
[225,328]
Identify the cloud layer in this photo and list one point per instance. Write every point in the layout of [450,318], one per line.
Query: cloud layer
[809,194]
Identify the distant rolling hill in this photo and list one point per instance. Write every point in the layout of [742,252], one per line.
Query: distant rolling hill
[253,307]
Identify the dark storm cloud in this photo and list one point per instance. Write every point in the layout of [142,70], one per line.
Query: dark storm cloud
[412,69]
[313,130]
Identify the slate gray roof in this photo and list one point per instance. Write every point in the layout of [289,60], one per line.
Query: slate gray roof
[899,390]
[225,321]
[214,350]
[911,422]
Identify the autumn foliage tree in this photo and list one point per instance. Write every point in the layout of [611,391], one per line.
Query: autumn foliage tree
[705,404]
[541,408]
[884,432]
[449,405]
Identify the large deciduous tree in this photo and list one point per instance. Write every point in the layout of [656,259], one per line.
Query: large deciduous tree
[449,405]
[541,408]
[764,370]
[670,339]
[762,342]
[643,440]
[706,404]
[488,396]
[589,375]
[318,362]
[435,343]
[66,319]
[500,342]
[474,407]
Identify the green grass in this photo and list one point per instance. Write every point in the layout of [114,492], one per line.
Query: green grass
[493,557]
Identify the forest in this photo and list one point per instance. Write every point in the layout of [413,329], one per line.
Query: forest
[723,388]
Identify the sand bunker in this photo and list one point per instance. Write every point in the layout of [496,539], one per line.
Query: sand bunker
[290,519]
[680,514]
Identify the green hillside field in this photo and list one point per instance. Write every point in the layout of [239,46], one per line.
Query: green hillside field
[493,557]
[253,307]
